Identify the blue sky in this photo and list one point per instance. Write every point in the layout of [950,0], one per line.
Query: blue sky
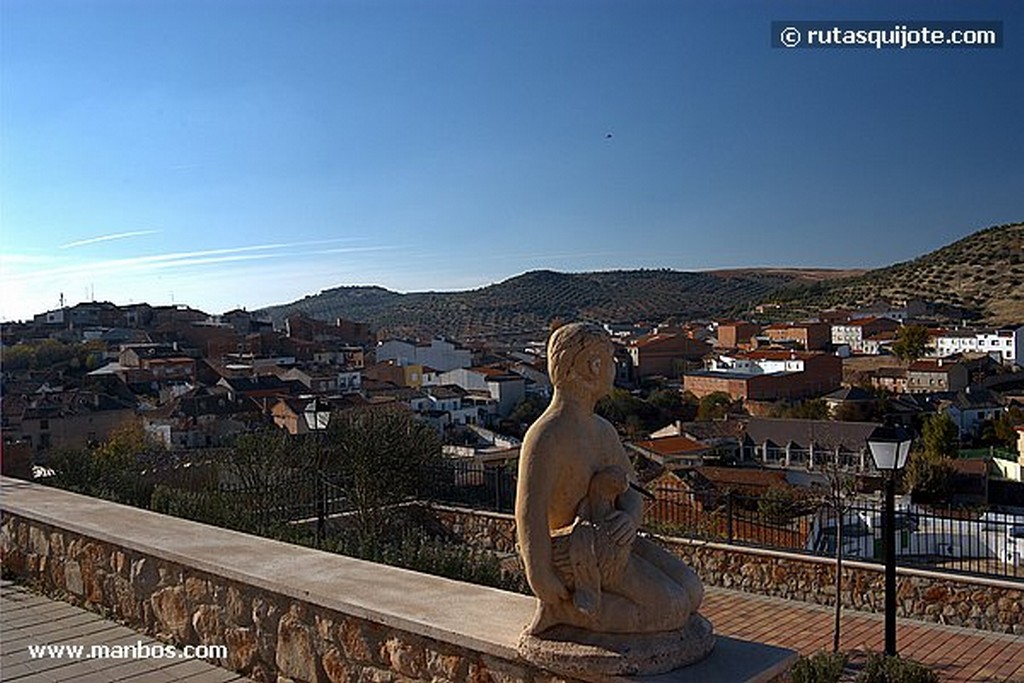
[249,152]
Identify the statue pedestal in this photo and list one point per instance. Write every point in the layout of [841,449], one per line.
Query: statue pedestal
[583,654]
[674,657]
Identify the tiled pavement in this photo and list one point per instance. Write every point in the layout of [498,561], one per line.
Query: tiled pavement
[959,655]
[29,619]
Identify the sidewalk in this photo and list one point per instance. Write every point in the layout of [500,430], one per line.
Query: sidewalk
[29,619]
[958,655]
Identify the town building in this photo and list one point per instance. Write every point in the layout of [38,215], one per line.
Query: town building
[665,354]
[857,333]
[1005,344]
[767,375]
[438,353]
[734,334]
[808,336]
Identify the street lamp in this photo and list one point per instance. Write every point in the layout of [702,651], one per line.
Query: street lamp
[889,448]
[317,418]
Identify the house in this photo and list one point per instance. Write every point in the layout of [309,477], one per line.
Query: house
[458,404]
[320,379]
[303,327]
[675,451]
[849,397]
[72,419]
[857,333]
[733,334]
[164,362]
[808,443]
[808,336]
[204,417]
[438,353]
[893,380]
[261,387]
[767,375]
[301,414]
[971,407]
[936,375]
[1006,344]
[403,375]
[341,355]
[664,354]
[506,388]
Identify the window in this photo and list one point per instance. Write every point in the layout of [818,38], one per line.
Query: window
[44,423]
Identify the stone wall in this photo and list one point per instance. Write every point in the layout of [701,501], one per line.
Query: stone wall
[994,605]
[276,607]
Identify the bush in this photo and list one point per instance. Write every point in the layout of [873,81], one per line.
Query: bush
[821,667]
[882,669]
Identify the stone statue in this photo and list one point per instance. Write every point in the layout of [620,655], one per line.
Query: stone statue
[609,601]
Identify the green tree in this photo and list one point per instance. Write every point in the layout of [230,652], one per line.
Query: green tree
[940,436]
[528,410]
[115,470]
[930,478]
[265,469]
[379,454]
[666,399]
[911,342]
[1004,427]
[714,406]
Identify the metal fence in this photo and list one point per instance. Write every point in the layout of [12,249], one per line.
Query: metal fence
[950,539]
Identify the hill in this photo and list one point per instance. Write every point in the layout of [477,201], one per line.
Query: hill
[982,274]
[528,303]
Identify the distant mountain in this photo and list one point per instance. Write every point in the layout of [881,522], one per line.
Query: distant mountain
[528,303]
[983,274]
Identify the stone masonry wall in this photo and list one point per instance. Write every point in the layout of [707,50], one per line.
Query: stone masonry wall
[269,637]
[930,596]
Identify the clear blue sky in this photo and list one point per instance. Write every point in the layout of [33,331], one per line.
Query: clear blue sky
[249,152]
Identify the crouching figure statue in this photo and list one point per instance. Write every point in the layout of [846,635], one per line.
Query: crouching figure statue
[610,602]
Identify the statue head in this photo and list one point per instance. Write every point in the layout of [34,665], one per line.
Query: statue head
[581,358]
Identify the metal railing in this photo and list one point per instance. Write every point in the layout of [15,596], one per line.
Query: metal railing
[950,539]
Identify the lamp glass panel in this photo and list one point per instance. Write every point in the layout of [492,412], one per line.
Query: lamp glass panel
[884,453]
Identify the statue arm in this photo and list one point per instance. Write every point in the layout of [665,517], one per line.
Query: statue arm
[624,525]
[533,497]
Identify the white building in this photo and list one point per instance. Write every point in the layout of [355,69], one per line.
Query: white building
[438,354]
[1006,344]
[758,362]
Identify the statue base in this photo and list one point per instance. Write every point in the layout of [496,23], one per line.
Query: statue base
[594,656]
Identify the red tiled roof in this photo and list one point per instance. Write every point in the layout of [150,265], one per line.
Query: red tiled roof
[930,366]
[672,445]
[649,339]
[738,477]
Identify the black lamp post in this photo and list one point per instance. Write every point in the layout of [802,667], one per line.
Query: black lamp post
[317,420]
[889,448]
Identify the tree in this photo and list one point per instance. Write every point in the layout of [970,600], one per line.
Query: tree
[379,456]
[940,436]
[911,342]
[838,497]
[929,477]
[115,470]
[714,406]
[266,466]
[527,410]
[1004,426]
